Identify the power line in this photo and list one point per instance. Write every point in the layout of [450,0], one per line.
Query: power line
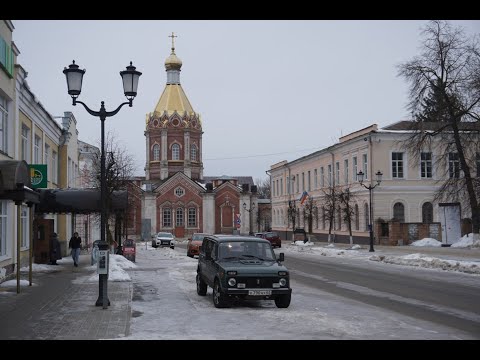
[260,155]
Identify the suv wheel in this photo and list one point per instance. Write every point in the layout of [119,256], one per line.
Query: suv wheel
[283,301]
[219,299]
[201,286]
[154,244]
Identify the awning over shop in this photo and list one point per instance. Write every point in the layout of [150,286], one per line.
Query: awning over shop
[15,182]
[78,201]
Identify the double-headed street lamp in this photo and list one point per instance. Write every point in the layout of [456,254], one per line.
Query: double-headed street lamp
[249,215]
[74,83]
[370,188]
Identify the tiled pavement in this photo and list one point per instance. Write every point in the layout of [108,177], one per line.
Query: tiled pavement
[61,306]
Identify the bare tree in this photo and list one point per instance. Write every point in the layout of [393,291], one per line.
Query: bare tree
[330,200]
[346,198]
[444,97]
[310,213]
[119,168]
[263,188]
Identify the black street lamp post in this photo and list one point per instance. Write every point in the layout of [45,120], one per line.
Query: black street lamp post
[370,188]
[130,83]
[249,215]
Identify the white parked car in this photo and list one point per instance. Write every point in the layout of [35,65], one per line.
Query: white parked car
[164,239]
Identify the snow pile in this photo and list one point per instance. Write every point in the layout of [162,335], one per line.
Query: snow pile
[430,262]
[301,243]
[116,266]
[467,242]
[40,268]
[13,283]
[427,242]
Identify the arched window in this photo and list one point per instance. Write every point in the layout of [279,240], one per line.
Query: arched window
[179,217]
[156,152]
[399,212]
[427,213]
[324,216]
[192,217]
[193,153]
[339,218]
[365,210]
[357,218]
[175,152]
[167,217]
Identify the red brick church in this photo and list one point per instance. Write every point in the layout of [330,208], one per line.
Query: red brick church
[174,195]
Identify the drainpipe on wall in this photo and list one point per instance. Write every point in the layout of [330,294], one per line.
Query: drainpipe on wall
[372,220]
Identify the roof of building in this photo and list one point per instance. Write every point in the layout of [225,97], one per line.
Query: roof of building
[241,179]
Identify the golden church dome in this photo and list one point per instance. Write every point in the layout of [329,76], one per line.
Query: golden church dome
[173,62]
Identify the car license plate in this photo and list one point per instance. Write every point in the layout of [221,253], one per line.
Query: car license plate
[259,292]
[165,242]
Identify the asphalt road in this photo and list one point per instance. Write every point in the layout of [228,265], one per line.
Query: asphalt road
[441,297]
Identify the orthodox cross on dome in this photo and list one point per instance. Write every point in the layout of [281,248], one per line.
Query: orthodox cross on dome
[173,36]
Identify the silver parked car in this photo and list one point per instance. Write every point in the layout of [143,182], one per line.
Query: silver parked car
[164,239]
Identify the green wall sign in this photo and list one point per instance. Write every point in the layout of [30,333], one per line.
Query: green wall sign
[38,175]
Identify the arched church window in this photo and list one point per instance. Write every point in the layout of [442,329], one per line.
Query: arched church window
[427,213]
[193,154]
[399,212]
[192,217]
[175,152]
[156,152]
[167,217]
[179,217]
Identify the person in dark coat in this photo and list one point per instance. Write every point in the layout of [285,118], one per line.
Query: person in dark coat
[75,244]
[55,249]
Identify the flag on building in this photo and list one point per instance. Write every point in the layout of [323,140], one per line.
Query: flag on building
[303,198]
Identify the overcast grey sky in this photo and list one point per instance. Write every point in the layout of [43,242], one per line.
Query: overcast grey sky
[266,91]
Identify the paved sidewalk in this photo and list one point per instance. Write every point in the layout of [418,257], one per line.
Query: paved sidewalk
[61,306]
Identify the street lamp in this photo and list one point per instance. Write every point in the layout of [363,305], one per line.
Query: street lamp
[74,84]
[370,188]
[249,215]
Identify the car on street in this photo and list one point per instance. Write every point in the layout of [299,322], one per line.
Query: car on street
[242,268]
[194,243]
[164,239]
[271,236]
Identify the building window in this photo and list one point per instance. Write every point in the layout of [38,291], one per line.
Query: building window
[192,217]
[298,185]
[324,216]
[25,227]
[3,124]
[175,152]
[330,175]
[281,186]
[3,227]
[427,213]
[365,166]
[399,212]
[193,153]
[339,218]
[357,218]
[453,166]
[47,160]
[315,180]
[54,167]
[337,173]
[355,168]
[167,217]
[179,192]
[426,165]
[345,171]
[156,152]
[322,177]
[179,217]
[309,184]
[36,150]
[397,165]
[25,144]
[303,181]
[367,216]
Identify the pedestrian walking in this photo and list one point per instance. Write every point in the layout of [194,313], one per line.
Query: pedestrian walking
[75,244]
[55,249]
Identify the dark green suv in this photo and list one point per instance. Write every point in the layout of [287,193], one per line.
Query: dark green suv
[242,268]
